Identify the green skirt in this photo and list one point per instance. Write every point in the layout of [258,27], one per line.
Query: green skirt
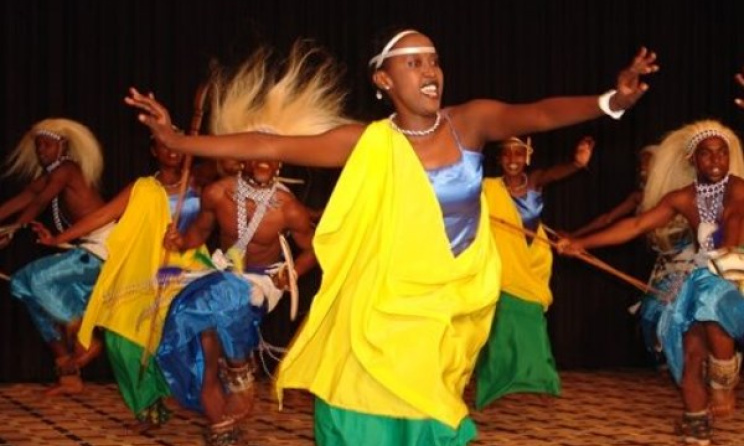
[139,393]
[517,357]
[340,427]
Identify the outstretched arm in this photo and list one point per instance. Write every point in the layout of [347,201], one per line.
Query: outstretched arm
[626,207]
[497,120]
[45,191]
[23,199]
[626,229]
[582,155]
[329,149]
[111,211]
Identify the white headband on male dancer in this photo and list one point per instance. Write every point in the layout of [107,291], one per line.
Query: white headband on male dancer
[387,52]
[700,137]
[50,134]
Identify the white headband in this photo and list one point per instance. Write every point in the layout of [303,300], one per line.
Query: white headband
[50,134]
[700,137]
[386,52]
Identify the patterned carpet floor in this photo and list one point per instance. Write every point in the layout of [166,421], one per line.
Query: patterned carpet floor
[628,408]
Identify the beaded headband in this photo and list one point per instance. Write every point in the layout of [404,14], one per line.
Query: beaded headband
[387,52]
[700,137]
[50,134]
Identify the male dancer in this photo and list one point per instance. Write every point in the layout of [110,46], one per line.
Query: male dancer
[64,162]
[696,330]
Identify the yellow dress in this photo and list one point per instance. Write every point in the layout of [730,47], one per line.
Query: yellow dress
[398,321]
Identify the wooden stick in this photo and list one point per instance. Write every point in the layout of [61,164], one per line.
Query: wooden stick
[195,126]
[585,256]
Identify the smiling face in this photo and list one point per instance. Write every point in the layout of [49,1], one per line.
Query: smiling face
[513,159]
[711,159]
[414,81]
[165,156]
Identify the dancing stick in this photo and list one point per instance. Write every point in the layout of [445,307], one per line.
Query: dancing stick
[196,121]
[585,256]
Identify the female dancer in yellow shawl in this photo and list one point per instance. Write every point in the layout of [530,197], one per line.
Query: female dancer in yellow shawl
[517,356]
[410,274]
[126,289]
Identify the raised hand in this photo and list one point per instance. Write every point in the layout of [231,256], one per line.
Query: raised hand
[153,114]
[740,80]
[583,152]
[630,86]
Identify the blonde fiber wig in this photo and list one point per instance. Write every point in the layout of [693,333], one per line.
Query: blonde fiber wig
[304,98]
[82,147]
[671,167]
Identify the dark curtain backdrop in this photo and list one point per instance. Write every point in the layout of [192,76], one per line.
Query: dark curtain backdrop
[76,59]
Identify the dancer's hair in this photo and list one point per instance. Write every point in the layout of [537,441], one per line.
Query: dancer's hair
[671,167]
[82,147]
[304,97]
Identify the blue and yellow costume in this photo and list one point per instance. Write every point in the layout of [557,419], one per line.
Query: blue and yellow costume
[518,356]
[410,280]
[125,294]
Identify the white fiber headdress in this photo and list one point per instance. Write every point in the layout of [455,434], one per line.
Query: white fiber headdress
[82,147]
[305,98]
[671,168]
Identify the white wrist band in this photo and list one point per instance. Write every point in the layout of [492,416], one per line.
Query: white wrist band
[604,105]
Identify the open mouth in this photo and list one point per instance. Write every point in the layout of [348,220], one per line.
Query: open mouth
[430,90]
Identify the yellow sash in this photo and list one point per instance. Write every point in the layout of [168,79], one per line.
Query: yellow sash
[526,268]
[124,291]
[398,321]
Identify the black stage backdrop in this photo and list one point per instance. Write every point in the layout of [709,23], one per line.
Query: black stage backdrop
[76,59]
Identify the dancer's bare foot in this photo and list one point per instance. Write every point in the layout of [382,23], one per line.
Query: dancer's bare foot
[239,405]
[141,427]
[66,385]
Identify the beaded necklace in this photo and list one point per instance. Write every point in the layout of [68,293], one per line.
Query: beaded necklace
[262,196]
[709,200]
[407,132]
[59,221]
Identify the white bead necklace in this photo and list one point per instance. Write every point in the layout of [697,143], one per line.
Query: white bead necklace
[262,197]
[417,133]
[709,200]
[59,221]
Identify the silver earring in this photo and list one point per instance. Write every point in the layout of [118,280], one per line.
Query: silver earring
[378,95]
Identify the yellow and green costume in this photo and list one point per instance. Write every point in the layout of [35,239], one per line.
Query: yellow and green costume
[123,300]
[393,333]
[517,356]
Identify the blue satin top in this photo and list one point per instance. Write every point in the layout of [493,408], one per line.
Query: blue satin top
[189,210]
[458,190]
[530,207]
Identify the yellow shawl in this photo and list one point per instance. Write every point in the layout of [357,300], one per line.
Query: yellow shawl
[124,291]
[398,321]
[526,268]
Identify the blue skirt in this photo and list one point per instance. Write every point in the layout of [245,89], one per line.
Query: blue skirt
[219,302]
[704,297]
[56,289]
